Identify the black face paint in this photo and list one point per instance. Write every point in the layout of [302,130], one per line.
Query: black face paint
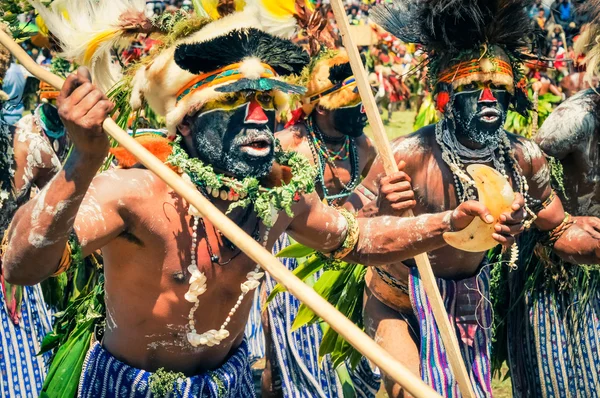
[350,120]
[224,140]
[478,117]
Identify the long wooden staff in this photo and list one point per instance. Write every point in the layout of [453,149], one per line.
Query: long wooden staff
[389,163]
[236,235]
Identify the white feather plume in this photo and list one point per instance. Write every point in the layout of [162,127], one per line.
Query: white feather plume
[88,30]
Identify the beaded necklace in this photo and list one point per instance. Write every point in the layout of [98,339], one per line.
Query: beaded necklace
[465,185]
[329,154]
[321,159]
[198,283]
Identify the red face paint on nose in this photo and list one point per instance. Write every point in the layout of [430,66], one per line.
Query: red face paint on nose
[255,113]
[487,96]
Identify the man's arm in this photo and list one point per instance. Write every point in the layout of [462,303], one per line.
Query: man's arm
[569,128]
[385,240]
[580,243]
[41,228]
[35,161]
[577,243]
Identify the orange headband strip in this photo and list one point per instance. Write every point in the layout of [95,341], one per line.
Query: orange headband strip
[222,75]
[48,92]
[464,69]
[51,95]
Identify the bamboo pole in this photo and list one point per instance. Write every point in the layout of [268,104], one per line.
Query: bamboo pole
[241,239]
[382,144]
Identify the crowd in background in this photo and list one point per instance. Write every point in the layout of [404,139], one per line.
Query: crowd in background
[397,71]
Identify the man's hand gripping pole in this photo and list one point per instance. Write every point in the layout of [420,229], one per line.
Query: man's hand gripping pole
[387,157]
[249,246]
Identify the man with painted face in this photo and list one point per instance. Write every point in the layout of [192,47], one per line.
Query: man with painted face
[328,130]
[474,67]
[176,290]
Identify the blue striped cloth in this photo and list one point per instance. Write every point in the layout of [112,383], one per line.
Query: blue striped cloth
[104,376]
[22,373]
[254,330]
[469,309]
[302,375]
[558,356]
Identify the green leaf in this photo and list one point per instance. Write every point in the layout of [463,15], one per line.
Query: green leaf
[327,284]
[303,271]
[50,342]
[63,376]
[296,250]
[328,342]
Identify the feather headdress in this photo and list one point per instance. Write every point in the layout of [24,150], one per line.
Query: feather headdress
[88,30]
[588,43]
[229,45]
[465,40]
[331,82]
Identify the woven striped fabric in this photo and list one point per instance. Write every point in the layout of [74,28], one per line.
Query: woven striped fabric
[22,373]
[104,376]
[558,354]
[302,375]
[469,310]
[254,330]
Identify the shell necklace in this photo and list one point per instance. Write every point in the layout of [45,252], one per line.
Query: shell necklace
[197,287]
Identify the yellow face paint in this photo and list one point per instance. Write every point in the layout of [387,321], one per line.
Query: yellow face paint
[232,101]
[477,86]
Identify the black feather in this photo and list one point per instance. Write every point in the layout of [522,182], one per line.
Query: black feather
[589,10]
[448,28]
[282,55]
[339,73]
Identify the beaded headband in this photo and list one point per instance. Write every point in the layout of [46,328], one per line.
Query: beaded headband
[223,75]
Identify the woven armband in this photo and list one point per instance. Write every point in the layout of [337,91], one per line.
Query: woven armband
[558,232]
[4,244]
[351,236]
[539,206]
[72,248]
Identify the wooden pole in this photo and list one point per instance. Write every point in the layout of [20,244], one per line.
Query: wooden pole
[382,143]
[241,239]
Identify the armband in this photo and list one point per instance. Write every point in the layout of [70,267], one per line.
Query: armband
[540,206]
[351,239]
[72,250]
[366,192]
[558,232]
[4,244]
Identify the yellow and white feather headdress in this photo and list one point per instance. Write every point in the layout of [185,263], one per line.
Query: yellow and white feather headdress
[230,45]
